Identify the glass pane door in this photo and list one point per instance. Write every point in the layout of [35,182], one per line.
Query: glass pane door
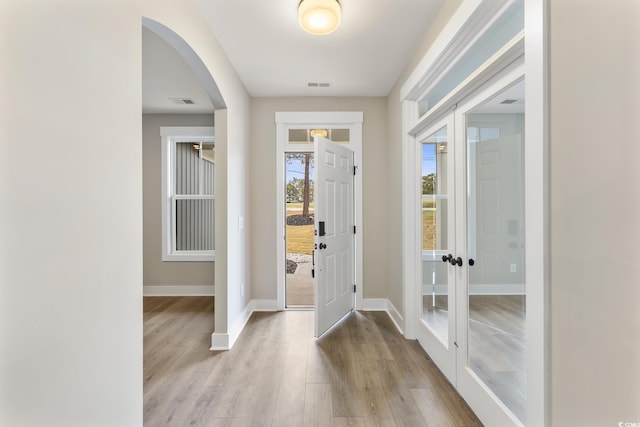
[435,242]
[437,225]
[496,291]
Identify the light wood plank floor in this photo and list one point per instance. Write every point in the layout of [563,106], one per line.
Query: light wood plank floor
[362,373]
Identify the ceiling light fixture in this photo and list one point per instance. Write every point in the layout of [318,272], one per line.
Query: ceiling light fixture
[319,17]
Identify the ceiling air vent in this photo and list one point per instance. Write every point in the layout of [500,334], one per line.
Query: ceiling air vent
[182,101]
[509,101]
[316,84]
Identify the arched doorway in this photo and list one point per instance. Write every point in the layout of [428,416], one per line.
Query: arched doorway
[197,114]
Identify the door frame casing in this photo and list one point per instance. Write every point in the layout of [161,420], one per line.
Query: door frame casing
[351,120]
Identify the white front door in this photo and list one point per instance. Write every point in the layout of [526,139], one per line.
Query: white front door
[335,234]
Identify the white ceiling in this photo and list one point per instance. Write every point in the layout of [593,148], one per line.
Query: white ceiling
[166,76]
[275,57]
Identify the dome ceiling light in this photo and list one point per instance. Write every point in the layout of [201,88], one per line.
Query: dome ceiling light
[319,17]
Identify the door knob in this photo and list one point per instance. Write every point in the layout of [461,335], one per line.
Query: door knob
[323,246]
[446,258]
[457,261]
[471,262]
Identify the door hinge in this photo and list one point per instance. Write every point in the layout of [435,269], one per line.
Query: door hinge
[354,229]
[355,168]
[354,289]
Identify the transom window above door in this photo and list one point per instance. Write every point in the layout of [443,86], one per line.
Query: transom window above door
[305,136]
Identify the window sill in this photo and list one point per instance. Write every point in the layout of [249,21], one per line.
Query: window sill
[190,257]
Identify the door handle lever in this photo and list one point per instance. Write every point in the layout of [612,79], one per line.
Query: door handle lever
[453,261]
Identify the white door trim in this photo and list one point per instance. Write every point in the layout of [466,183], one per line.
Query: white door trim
[536,179]
[351,120]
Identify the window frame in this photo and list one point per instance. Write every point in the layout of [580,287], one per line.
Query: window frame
[170,136]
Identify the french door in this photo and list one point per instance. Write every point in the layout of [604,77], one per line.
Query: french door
[472,259]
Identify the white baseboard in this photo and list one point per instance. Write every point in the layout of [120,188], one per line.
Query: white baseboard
[395,315]
[241,321]
[225,341]
[220,341]
[265,305]
[178,291]
[373,304]
[383,304]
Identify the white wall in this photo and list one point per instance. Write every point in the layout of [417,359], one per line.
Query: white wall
[394,157]
[170,275]
[71,214]
[71,231]
[595,210]
[263,188]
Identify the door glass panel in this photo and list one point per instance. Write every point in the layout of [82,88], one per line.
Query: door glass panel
[298,136]
[305,136]
[435,236]
[341,136]
[495,239]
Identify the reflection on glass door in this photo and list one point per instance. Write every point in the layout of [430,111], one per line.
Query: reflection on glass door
[435,233]
[496,290]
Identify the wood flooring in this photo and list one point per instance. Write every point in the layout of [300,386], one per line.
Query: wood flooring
[361,373]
